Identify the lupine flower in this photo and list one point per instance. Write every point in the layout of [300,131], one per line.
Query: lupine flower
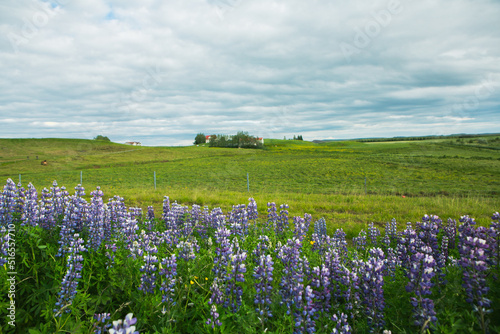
[187,249]
[272,216]
[168,273]
[4,245]
[289,255]
[301,227]
[166,208]
[252,209]
[473,251]
[263,274]
[151,213]
[282,222]
[321,284]
[372,287]
[360,241]
[341,324]
[238,221]
[304,310]
[149,269]
[101,324]
[31,210]
[70,280]
[124,326]
[57,200]
[223,252]
[96,220]
[420,274]
[373,234]
[47,212]
[8,199]
[234,276]
[263,245]
[216,298]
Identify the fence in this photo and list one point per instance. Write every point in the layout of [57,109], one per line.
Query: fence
[151,180]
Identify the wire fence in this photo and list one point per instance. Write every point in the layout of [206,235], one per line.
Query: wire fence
[254,182]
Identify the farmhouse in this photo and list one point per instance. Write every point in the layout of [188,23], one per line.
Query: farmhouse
[133,143]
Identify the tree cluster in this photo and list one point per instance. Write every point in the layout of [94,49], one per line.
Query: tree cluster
[240,140]
[102,138]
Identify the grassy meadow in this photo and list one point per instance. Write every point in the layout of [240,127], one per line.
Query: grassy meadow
[350,183]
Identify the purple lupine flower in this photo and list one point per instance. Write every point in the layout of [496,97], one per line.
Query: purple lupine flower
[341,324]
[494,240]
[272,216]
[70,280]
[238,221]
[223,252]
[117,209]
[214,320]
[187,249]
[252,212]
[473,251]
[124,326]
[31,210]
[390,234]
[47,212]
[149,269]
[96,220]
[151,213]
[101,323]
[263,274]
[372,287]
[373,234]
[420,283]
[57,200]
[4,245]
[166,208]
[216,298]
[235,275]
[168,273]
[8,199]
[360,241]
[391,262]
[339,243]
[320,237]
[263,246]
[301,228]
[282,223]
[450,230]
[304,310]
[289,255]
[322,291]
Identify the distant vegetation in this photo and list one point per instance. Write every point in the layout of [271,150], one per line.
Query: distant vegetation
[101,138]
[200,139]
[240,140]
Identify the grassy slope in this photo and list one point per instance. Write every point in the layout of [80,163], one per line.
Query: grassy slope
[443,177]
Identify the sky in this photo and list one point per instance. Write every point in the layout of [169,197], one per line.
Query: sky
[159,72]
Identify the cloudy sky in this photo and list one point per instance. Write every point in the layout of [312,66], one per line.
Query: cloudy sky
[160,72]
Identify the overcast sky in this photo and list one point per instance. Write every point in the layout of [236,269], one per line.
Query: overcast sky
[160,72]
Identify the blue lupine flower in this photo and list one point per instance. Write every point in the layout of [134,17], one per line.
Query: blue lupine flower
[70,280]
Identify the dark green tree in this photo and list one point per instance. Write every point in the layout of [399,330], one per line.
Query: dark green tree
[200,139]
[102,138]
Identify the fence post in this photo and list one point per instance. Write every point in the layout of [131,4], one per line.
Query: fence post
[248,183]
[154,173]
[365,186]
[19,178]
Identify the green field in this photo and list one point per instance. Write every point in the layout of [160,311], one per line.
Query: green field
[350,183]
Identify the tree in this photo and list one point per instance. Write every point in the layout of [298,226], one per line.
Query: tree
[200,139]
[102,138]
